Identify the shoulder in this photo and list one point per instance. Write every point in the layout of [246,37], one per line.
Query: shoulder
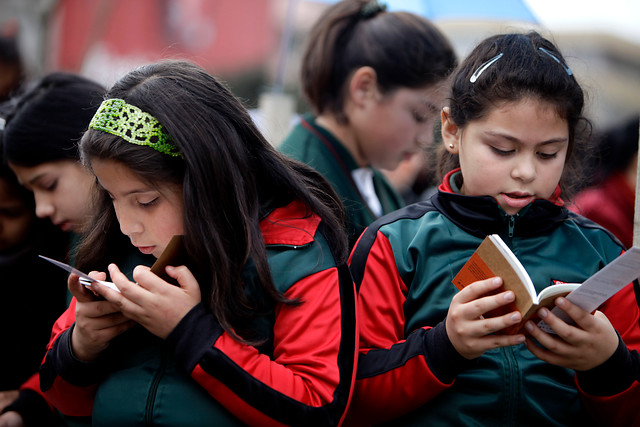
[293,224]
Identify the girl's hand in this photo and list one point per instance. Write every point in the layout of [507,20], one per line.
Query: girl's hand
[97,321]
[581,347]
[152,302]
[469,332]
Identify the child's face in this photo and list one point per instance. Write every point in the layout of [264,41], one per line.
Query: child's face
[16,217]
[395,127]
[148,216]
[62,191]
[515,154]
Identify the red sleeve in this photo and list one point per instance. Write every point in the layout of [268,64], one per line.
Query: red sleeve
[395,373]
[69,399]
[620,407]
[310,375]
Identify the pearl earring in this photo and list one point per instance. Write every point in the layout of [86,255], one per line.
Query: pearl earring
[451,146]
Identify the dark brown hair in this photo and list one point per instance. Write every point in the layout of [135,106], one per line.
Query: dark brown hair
[530,66]
[404,49]
[230,176]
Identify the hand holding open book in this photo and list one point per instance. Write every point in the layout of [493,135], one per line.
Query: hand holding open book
[494,258]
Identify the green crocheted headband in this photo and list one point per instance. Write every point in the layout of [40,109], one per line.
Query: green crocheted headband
[132,124]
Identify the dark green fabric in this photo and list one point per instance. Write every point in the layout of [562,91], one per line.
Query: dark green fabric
[144,386]
[335,163]
[507,386]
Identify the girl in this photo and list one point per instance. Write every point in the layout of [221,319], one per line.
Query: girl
[40,143]
[28,306]
[261,328]
[375,83]
[428,354]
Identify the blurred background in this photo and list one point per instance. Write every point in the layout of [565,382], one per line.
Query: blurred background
[254,45]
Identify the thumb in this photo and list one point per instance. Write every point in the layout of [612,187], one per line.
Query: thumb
[184,277]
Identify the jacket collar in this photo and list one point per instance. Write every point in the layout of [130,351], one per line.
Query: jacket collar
[481,215]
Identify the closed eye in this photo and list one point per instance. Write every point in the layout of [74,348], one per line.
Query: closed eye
[148,204]
[501,152]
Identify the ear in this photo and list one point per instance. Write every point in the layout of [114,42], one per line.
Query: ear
[363,85]
[450,132]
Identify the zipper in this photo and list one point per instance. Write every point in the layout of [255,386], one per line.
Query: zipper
[512,223]
[512,387]
[153,390]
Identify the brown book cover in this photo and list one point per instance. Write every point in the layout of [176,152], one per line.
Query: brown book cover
[174,254]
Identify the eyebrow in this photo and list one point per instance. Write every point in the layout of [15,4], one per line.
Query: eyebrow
[514,139]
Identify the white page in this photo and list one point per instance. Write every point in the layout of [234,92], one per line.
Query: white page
[602,285]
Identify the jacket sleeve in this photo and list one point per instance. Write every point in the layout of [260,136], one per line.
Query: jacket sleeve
[611,391]
[397,371]
[310,376]
[32,405]
[68,383]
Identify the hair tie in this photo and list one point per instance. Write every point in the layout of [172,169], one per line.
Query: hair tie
[372,8]
[133,125]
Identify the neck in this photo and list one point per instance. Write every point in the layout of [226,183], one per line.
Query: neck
[345,134]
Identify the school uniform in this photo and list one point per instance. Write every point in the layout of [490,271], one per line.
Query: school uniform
[301,374]
[408,370]
[317,147]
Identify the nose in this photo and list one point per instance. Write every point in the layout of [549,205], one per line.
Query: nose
[45,208]
[424,136]
[129,224]
[524,168]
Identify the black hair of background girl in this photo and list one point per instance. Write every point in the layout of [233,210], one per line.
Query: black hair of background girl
[45,123]
[404,49]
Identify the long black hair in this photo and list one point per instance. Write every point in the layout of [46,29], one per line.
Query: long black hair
[230,177]
[46,121]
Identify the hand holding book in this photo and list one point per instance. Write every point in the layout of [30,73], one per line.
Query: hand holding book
[494,258]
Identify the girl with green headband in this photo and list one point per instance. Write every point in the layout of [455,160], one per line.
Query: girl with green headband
[260,329]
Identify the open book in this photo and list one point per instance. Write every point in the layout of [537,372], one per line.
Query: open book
[494,258]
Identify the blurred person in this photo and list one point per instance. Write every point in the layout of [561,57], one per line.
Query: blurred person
[43,126]
[375,82]
[11,67]
[610,199]
[30,300]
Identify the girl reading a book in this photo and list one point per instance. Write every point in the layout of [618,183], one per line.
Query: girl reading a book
[432,355]
[261,327]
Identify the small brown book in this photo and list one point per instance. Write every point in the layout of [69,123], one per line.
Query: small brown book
[174,254]
[494,258]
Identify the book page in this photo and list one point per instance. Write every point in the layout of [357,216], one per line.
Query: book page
[516,264]
[604,284]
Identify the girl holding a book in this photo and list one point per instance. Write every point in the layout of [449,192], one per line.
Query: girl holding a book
[433,355]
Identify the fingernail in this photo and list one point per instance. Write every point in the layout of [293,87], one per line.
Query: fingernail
[520,339]
[496,281]
[543,312]
[529,326]
[509,296]
[515,317]
[561,301]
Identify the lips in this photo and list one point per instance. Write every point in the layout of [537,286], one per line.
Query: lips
[517,200]
[146,249]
